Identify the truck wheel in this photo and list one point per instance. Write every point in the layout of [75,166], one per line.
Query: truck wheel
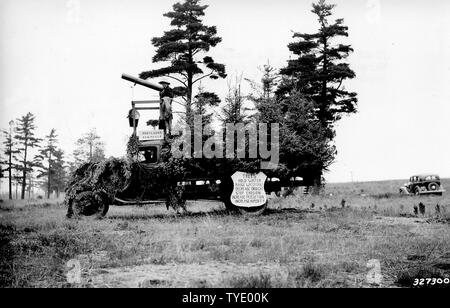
[102,211]
[89,203]
[103,202]
[225,189]
[229,206]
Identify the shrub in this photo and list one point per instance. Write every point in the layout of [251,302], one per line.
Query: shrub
[313,272]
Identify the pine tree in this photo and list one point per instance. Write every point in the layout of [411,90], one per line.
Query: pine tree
[17,181]
[269,81]
[264,91]
[32,183]
[59,172]
[305,147]
[89,148]
[234,111]
[303,142]
[318,72]
[45,160]
[185,47]
[202,104]
[26,139]
[10,153]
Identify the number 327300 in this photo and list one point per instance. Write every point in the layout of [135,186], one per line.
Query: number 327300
[430,281]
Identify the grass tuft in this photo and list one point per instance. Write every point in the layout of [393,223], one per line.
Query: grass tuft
[250,281]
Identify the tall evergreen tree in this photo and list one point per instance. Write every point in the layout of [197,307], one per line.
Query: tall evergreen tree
[89,148]
[32,183]
[45,160]
[303,143]
[318,71]
[234,111]
[17,181]
[10,151]
[185,48]
[202,104]
[305,147]
[26,139]
[59,172]
[264,90]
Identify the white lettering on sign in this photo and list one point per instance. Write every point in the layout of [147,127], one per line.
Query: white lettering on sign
[248,190]
[153,134]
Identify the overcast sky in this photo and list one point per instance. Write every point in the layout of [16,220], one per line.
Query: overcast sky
[62,60]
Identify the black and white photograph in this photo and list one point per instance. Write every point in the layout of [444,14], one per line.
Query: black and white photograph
[225,150]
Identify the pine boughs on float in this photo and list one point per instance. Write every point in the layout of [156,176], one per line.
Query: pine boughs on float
[92,186]
[133,148]
[95,186]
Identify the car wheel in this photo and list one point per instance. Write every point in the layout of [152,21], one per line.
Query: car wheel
[433,186]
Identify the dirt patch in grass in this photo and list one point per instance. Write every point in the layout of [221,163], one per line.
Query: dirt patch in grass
[211,274]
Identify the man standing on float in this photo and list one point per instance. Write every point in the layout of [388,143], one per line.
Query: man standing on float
[165,108]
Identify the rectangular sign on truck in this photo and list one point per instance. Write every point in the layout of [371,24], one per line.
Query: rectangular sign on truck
[151,134]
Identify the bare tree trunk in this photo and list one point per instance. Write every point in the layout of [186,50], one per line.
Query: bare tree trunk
[189,117]
[10,173]
[30,195]
[190,84]
[49,175]
[24,173]
[29,188]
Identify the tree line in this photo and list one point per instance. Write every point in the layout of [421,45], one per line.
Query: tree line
[30,162]
[306,97]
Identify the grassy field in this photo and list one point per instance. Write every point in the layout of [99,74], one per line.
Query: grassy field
[302,241]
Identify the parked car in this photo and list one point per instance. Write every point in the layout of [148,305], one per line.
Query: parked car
[428,184]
